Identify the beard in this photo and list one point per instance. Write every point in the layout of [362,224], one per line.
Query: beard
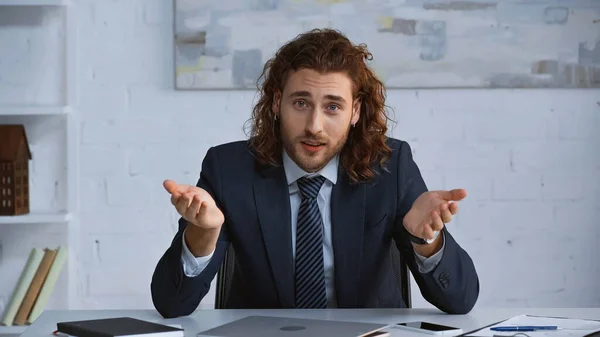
[308,160]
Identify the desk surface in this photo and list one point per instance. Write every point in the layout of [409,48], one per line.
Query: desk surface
[205,319]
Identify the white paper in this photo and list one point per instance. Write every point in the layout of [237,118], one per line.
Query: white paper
[567,327]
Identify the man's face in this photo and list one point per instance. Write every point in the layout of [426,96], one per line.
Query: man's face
[316,111]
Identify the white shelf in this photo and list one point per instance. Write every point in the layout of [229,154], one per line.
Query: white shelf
[33,2]
[33,110]
[14,329]
[65,109]
[36,218]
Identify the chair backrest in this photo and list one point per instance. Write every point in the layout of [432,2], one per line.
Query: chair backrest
[402,274]
[225,276]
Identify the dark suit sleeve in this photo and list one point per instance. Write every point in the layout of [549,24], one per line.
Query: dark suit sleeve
[173,293]
[453,285]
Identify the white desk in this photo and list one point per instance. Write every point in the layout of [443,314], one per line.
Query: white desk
[205,319]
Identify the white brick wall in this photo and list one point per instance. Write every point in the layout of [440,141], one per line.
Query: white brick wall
[528,158]
[516,186]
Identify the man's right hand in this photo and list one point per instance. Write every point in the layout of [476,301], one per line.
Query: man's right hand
[195,205]
[199,209]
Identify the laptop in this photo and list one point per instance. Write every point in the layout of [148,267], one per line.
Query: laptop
[269,326]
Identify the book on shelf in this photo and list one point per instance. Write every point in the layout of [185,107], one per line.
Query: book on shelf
[35,285]
[35,258]
[48,286]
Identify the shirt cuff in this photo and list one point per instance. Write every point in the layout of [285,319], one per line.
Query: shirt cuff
[427,264]
[193,266]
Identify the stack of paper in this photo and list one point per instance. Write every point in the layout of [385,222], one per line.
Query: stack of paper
[567,327]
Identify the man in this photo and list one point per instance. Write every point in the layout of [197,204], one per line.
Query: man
[313,201]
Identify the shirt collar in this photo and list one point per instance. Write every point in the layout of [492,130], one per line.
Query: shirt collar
[293,172]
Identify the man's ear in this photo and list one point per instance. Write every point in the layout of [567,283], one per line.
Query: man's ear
[356,112]
[276,102]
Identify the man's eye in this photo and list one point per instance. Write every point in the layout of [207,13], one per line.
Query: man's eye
[333,107]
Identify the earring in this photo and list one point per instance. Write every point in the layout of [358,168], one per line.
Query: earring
[353,124]
[276,117]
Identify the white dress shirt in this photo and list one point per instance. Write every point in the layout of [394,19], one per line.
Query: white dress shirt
[193,266]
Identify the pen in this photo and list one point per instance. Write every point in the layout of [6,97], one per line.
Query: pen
[525,328]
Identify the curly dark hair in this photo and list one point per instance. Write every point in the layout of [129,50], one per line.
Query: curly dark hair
[325,50]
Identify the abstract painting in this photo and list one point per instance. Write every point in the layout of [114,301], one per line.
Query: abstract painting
[224,44]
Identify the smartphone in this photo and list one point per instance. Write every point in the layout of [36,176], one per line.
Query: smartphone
[429,328]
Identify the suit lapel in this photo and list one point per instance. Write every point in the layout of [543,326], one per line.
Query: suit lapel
[271,195]
[347,221]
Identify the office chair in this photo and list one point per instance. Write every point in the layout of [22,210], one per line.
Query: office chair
[225,275]
[402,274]
[224,278]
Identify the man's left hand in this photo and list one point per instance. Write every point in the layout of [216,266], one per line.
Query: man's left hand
[431,211]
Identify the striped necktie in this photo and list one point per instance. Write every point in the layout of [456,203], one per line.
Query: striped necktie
[310,273]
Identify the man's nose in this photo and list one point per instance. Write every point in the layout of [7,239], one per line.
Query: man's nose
[314,124]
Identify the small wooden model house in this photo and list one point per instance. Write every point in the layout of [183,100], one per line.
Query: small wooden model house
[14,170]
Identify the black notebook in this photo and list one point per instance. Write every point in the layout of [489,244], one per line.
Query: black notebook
[119,326]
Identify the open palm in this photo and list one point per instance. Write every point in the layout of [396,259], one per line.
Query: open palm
[195,205]
[431,211]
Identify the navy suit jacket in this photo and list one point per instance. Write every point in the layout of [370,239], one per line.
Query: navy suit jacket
[366,219]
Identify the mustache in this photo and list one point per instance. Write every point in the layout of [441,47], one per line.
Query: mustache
[313,140]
